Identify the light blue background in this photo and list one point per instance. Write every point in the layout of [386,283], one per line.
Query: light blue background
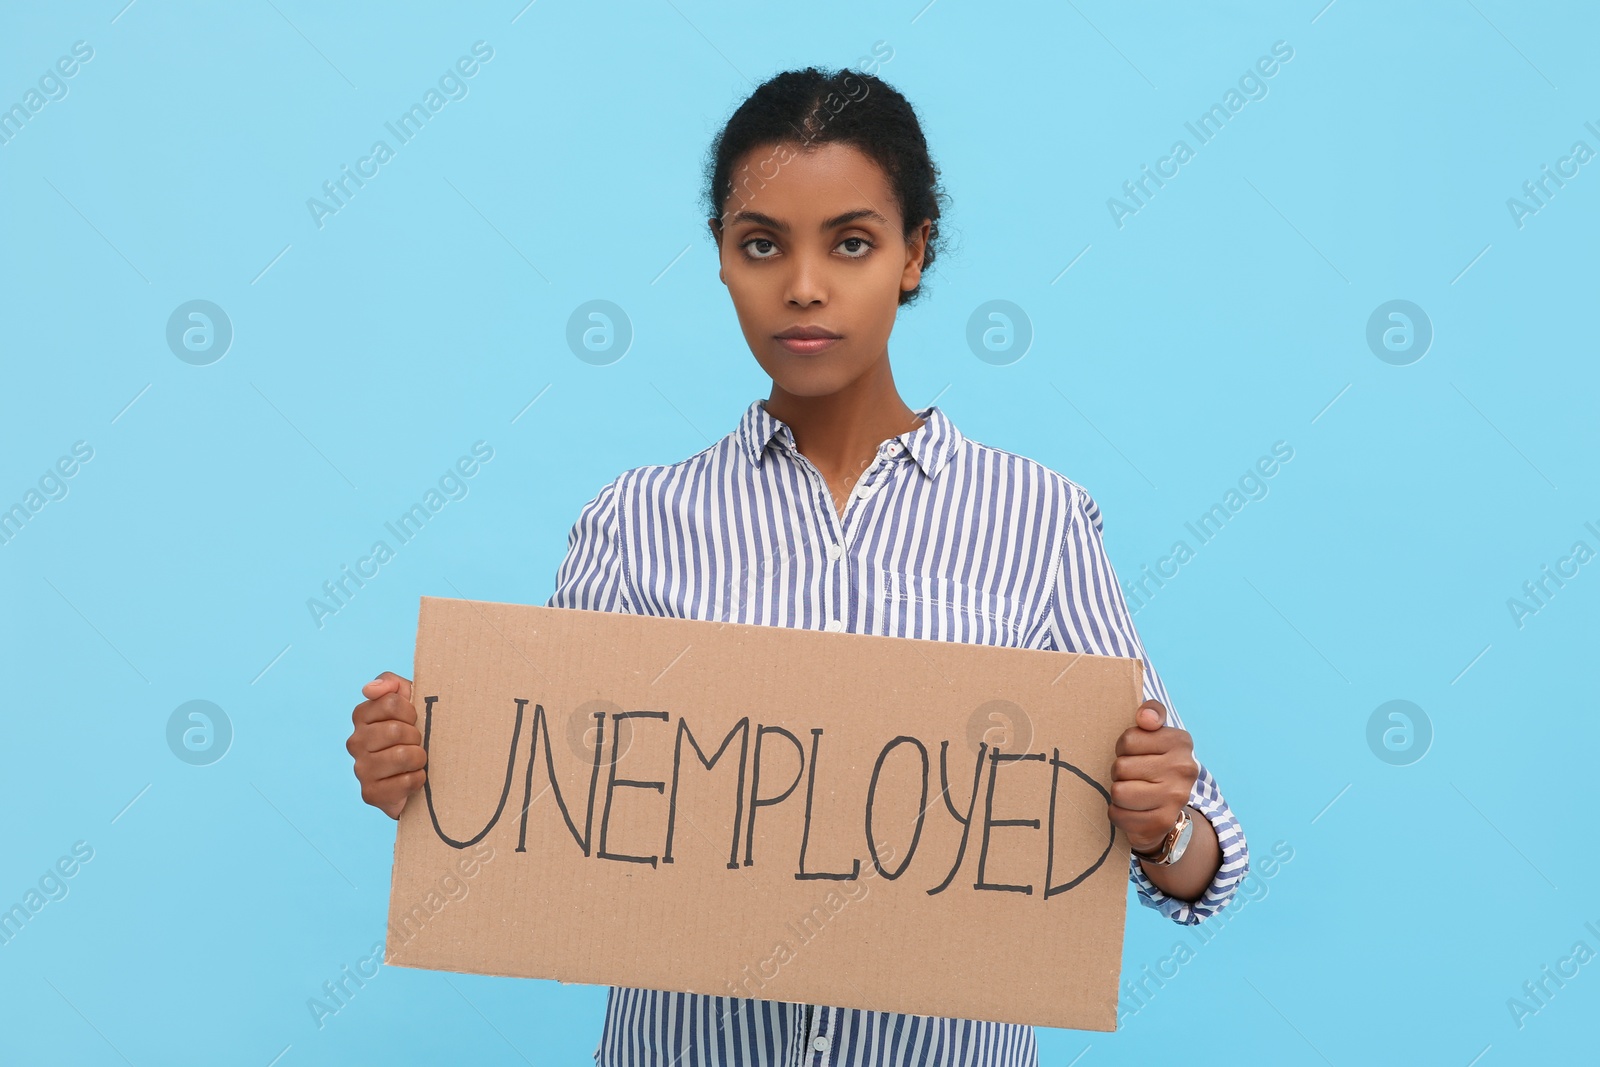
[1228,314]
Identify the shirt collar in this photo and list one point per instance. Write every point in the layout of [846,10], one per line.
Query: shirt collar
[932,444]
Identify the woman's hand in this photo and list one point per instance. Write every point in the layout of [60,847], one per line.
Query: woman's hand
[1151,777]
[387,745]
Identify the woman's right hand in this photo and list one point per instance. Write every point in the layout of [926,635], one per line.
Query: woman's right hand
[386,744]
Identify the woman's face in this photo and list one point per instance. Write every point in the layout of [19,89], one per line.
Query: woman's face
[813,238]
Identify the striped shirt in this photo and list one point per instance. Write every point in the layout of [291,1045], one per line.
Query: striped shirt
[942,538]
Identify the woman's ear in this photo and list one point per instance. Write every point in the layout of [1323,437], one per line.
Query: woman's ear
[916,245]
[716,235]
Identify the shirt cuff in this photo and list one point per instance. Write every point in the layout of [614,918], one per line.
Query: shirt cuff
[1206,798]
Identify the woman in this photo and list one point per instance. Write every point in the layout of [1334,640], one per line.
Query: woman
[833,505]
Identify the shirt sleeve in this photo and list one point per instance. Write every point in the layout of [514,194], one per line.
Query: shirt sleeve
[592,576]
[1088,614]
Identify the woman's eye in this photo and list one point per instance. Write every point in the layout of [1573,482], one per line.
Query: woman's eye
[862,244]
[758,241]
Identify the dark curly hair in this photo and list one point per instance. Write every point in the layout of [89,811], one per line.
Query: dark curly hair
[816,106]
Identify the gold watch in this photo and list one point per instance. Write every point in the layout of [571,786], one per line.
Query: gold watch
[1172,846]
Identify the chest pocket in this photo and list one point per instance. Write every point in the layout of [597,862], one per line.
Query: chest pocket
[935,608]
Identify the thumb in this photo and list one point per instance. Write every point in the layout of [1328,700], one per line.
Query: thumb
[1151,715]
[387,682]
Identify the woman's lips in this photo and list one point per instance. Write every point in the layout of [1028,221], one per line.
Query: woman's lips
[807,346]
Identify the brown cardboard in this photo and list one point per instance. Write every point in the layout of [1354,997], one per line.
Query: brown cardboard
[889,939]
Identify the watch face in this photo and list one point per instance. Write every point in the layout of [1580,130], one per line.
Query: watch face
[1173,844]
[1183,839]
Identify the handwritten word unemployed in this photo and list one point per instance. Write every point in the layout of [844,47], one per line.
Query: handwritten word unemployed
[757,743]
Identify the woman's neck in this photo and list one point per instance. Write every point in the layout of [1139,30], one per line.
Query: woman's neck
[840,432]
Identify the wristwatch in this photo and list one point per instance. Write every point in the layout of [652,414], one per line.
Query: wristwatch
[1172,846]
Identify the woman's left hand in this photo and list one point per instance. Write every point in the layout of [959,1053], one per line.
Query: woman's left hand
[1151,777]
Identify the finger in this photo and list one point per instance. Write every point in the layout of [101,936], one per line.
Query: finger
[392,787]
[407,784]
[386,763]
[386,733]
[398,785]
[1139,796]
[394,813]
[388,706]
[391,793]
[1149,768]
[1136,741]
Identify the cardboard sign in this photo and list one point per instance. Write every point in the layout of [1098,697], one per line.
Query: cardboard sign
[755,811]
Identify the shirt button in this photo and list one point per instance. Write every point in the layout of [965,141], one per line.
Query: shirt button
[820,1044]
[864,491]
[835,551]
[835,626]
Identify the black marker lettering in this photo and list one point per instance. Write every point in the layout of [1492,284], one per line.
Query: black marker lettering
[612,781]
[427,784]
[995,759]
[541,728]
[944,781]
[966,824]
[805,838]
[1056,764]
[756,800]
[922,805]
[742,727]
